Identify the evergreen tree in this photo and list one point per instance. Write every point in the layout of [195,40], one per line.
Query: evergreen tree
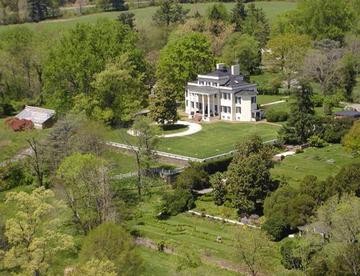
[238,15]
[256,24]
[169,12]
[41,9]
[301,123]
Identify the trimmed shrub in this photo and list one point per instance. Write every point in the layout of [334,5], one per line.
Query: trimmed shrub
[274,115]
[215,166]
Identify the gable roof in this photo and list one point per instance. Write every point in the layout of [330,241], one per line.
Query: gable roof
[348,113]
[37,115]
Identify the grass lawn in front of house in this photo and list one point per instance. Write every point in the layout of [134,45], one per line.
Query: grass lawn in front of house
[214,138]
[320,162]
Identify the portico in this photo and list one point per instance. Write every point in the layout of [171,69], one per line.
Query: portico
[206,104]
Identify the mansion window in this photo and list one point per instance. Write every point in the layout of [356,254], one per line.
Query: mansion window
[226,109]
[192,104]
[253,100]
[238,109]
[238,100]
[225,96]
[187,103]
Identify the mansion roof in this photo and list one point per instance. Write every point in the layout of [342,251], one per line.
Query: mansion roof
[225,79]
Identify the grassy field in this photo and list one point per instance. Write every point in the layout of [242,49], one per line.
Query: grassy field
[214,138]
[321,162]
[12,142]
[144,16]
[193,233]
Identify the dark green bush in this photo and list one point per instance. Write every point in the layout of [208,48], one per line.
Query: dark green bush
[193,178]
[175,202]
[274,115]
[215,166]
[276,227]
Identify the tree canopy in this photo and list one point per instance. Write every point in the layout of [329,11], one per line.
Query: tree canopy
[88,58]
[183,58]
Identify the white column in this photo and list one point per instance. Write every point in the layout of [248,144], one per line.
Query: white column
[203,106]
[208,107]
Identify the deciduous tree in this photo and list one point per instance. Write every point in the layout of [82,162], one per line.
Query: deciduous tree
[248,178]
[87,191]
[143,147]
[33,232]
[163,106]
[351,140]
[109,242]
[182,59]
[243,50]
[286,54]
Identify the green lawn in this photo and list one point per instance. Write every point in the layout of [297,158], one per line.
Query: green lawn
[144,16]
[159,263]
[321,162]
[12,142]
[264,99]
[214,138]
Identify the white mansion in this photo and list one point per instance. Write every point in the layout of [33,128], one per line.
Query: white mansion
[222,94]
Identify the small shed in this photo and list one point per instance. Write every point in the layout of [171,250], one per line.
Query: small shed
[353,114]
[41,117]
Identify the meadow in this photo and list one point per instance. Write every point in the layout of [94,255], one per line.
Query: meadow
[143,16]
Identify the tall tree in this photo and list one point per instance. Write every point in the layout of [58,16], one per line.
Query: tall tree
[87,191]
[323,65]
[243,50]
[322,19]
[163,106]
[33,232]
[170,11]
[42,9]
[287,54]
[238,15]
[256,24]
[351,140]
[119,92]
[301,123]
[248,178]
[144,147]
[253,249]
[182,59]
[110,242]
[101,44]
